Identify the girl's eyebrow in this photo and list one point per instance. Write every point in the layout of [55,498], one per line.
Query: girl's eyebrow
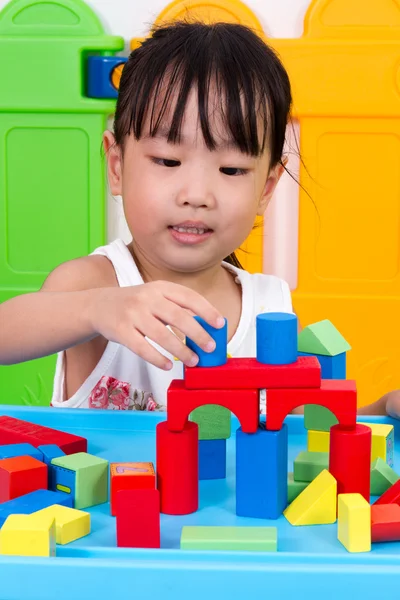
[163,133]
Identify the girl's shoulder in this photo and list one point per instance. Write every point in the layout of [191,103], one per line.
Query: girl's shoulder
[82,273]
[267,292]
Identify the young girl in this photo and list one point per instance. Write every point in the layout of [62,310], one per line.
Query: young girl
[196,155]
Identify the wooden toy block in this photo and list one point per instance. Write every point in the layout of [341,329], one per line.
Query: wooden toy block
[244,539]
[332,367]
[354,522]
[214,422]
[322,338]
[138,518]
[391,496]
[32,502]
[220,336]
[261,473]
[295,487]
[13,431]
[385,523]
[20,475]
[12,450]
[337,395]
[244,404]
[178,468]
[317,441]
[276,338]
[130,476]
[316,505]
[212,459]
[248,373]
[307,465]
[71,524]
[83,475]
[50,451]
[318,418]
[382,477]
[28,535]
[382,441]
[350,459]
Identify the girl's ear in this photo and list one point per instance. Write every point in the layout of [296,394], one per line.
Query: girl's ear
[114,163]
[272,181]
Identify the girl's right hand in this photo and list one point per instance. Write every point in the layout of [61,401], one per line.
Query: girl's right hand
[128,315]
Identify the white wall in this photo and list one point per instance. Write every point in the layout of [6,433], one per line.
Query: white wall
[279,18]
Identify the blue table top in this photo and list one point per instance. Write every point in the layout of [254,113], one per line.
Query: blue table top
[308,558]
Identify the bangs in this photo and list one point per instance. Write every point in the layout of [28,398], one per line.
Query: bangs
[238,80]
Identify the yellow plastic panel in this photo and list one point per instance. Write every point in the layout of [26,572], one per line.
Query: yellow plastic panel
[210,11]
[345,74]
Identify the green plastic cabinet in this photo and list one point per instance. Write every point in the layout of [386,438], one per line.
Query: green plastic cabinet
[52,183]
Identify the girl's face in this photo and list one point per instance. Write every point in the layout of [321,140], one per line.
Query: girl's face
[188,207]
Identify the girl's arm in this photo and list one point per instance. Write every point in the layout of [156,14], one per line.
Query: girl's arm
[53,319]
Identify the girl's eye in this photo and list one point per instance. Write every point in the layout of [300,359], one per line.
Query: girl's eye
[166,162]
[233,171]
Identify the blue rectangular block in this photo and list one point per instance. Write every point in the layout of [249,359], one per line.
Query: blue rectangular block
[30,503]
[58,476]
[49,452]
[212,459]
[261,473]
[12,450]
[332,367]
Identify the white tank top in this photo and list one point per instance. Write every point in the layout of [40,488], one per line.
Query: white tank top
[122,380]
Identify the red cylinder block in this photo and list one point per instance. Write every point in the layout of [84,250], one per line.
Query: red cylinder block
[350,459]
[178,468]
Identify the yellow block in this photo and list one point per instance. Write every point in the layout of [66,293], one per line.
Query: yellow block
[316,505]
[382,441]
[318,441]
[27,535]
[354,522]
[71,524]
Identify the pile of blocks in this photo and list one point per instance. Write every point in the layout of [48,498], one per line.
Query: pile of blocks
[47,476]
[310,370]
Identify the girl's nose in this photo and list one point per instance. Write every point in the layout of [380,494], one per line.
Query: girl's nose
[196,192]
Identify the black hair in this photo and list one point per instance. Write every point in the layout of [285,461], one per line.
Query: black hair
[250,81]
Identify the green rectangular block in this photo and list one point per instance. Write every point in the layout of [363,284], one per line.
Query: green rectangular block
[307,465]
[295,487]
[91,478]
[214,422]
[318,418]
[382,477]
[251,539]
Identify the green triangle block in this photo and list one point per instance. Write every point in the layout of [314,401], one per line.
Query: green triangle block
[382,477]
[322,338]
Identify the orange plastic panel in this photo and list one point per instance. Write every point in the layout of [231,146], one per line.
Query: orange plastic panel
[345,73]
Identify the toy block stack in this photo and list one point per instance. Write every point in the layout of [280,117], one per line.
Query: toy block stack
[46,475]
[214,422]
[262,478]
[135,502]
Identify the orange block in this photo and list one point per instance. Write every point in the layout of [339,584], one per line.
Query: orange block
[130,476]
[20,475]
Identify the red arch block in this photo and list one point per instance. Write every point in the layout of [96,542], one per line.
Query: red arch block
[181,402]
[339,396]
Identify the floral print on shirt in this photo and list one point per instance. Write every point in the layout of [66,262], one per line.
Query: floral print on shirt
[110,393]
